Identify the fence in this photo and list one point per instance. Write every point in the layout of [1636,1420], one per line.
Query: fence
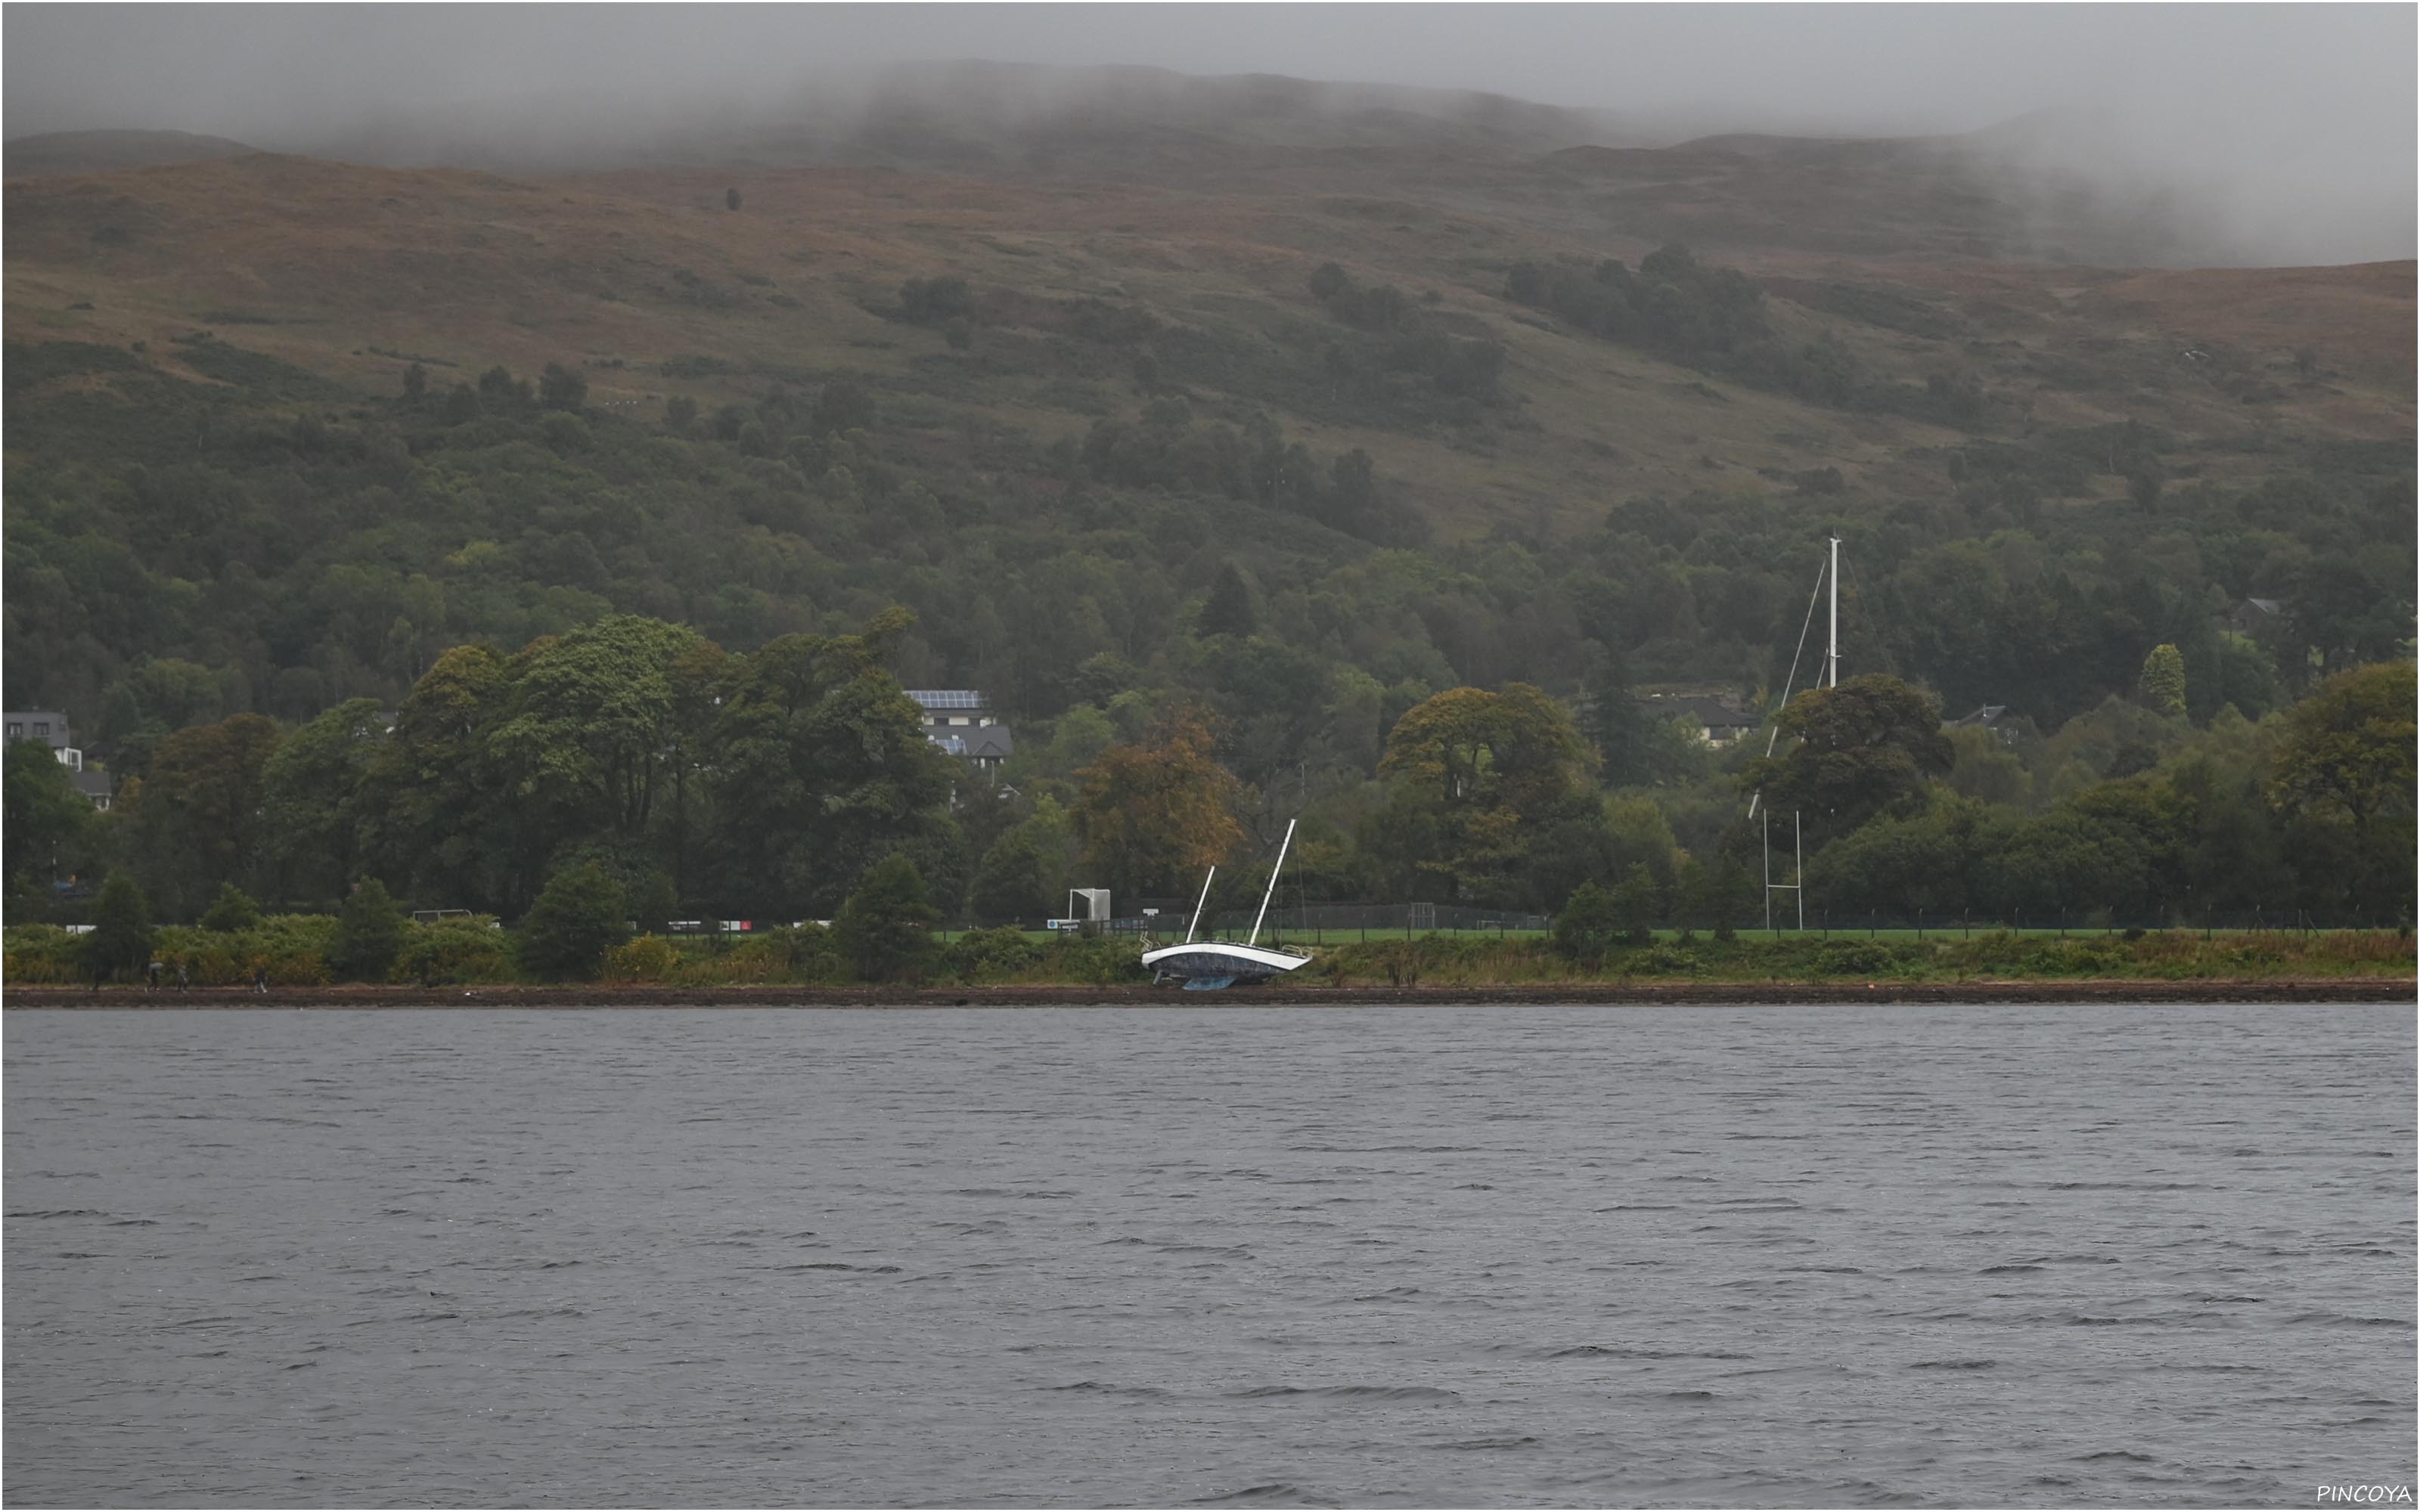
[1415,919]
[1828,923]
[1324,923]
[1320,922]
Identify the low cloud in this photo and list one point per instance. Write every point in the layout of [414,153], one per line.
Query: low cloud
[2286,129]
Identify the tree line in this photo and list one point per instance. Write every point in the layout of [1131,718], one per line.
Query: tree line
[636,760]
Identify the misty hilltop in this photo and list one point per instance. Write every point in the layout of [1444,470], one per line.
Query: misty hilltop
[2056,185]
[970,116]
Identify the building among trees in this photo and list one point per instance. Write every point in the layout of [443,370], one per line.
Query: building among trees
[961,722]
[50,726]
[1714,719]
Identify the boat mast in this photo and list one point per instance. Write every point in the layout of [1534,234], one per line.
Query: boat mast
[1273,884]
[1823,575]
[1198,907]
[1832,656]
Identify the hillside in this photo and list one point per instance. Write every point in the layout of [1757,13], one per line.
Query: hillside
[326,265]
[58,152]
[972,117]
[1879,335]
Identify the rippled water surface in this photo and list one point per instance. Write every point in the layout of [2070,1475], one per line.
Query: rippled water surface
[1213,1255]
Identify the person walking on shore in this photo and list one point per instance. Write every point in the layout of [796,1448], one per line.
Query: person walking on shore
[260,979]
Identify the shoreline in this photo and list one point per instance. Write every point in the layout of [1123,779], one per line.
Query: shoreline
[2114,991]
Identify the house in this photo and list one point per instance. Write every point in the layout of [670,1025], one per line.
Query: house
[961,722]
[1717,722]
[2266,620]
[1986,717]
[50,727]
[1995,718]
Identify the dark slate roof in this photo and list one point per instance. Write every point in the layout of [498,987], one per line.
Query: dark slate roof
[1982,718]
[1712,713]
[987,742]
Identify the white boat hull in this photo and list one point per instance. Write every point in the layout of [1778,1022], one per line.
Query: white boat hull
[1219,961]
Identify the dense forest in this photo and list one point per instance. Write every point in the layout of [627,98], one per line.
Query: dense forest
[467,634]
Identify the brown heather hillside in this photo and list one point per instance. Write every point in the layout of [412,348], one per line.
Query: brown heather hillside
[101,151]
[645,280]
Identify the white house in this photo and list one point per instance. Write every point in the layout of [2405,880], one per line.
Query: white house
[50,727]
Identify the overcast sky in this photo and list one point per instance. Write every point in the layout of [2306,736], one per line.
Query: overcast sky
[2275,97]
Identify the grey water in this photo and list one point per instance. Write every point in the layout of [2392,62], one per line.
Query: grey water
[1209,1256]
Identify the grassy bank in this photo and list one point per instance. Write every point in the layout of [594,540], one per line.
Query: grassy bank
[293,951]
[2326,991]
[2177,955]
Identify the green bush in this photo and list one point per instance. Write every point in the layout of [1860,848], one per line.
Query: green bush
[41,953]
[232,912]
[1397,962]
[648,958]
[991,954]
[1097,961]
[809,953]
[120,940]
[801,954]
[1854,958]
[293,948]
[1588,925]
[1663,961]
[1635,904]
[369,934]
[574,922]
[885,928]
[450,951]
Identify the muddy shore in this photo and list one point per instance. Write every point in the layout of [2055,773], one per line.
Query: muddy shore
[1610,994]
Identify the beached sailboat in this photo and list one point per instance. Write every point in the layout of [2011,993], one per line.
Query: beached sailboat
[1205,965]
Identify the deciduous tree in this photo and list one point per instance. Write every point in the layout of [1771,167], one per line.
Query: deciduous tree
[434,812]
[1861,747]
[820,766]
[369,933]
[1477,778]
[312,792]
[885,927]
[560,388]
[1156,814]
[1227,611]
[585,737]
[195,821]
[2349,746]
[48,826]
[122,929]
[1027,872]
